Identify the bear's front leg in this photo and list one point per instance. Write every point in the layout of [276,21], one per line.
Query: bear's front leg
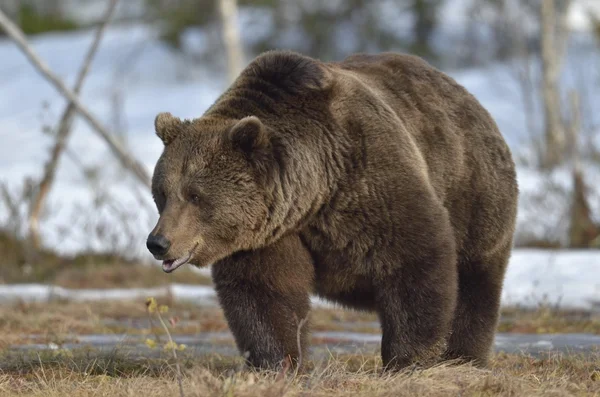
[264,294]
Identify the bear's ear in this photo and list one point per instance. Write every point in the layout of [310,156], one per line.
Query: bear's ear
[249,135]
[167,127]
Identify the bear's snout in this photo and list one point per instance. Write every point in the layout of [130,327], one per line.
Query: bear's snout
[158,244]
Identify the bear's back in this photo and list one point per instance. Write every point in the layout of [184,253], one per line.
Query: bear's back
[467,159]
[449,126]
[429,103]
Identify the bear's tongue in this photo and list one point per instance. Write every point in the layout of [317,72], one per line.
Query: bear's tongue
[167,265]
[172,264]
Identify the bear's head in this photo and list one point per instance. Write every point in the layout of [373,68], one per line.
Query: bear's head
[209,188]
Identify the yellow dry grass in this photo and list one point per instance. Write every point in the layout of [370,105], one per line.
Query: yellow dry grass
[63,373]
[124,276]
[57,320]
[508,375]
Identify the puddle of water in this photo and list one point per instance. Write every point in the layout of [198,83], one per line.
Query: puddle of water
[144,323]
[543,343]
[348,336]
[336,342]
[209,342]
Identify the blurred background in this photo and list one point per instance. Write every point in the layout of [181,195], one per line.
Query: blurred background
[75,214]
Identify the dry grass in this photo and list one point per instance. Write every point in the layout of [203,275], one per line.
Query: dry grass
[125,276]
[19,263]
[548,320]
[508,375]
[87,372]
[56,322]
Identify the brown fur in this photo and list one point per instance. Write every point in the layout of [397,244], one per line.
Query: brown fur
[377,182]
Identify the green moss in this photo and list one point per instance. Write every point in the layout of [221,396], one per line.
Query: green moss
[32,22]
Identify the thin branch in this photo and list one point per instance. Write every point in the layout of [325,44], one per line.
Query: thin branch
[575,129]
[301,324]
[173,346]
[115,146]
[64,130]
[13,209]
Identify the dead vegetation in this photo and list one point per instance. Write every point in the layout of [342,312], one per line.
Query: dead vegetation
[60,322]
[20,264]
[345,375]
[126,276]
[549,320]
[86,371]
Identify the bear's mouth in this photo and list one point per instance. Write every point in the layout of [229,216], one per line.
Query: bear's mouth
[170,265]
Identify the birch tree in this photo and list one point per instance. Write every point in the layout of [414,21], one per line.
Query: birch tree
[228,13]
[554,33]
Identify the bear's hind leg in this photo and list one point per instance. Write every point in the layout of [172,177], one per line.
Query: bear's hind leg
[477,310]
[264,294]
[415,305]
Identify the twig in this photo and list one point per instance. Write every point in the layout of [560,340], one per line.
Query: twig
[64,129]
[173,349]
[298,339]
[153,307]
[12,207]
[124,157]
[156,335]
[574,129]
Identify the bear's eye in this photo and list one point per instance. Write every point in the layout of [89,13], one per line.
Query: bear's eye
[195,198]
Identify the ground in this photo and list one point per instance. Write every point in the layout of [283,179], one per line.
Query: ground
[65,322]
[51,375]
[59,348]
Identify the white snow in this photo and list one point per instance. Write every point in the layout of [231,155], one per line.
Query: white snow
[562,278]
[46,293]
[151,78]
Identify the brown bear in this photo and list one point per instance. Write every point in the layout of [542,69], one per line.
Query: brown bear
[377,182]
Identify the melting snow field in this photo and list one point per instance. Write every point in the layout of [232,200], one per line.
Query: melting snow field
[149,78]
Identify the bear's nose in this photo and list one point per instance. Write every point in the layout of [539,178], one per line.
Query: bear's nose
[158,244]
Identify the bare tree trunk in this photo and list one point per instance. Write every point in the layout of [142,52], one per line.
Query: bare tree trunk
[582,231]
[596,26]
[125,158]
[228,11]
[63,132]
[526,81]
[553,43]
